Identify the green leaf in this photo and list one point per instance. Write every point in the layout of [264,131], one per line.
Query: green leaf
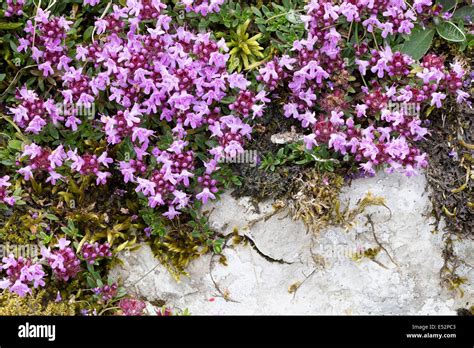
[303,161]
[293,17]
[54,133]
[41,84]
[418,43]
[278,7]
[13,46]
[228,99]
[87,33]
[266,11]
[10,26]
[447,4]
[52,217]
[464,12]
[397,48]
[238,10]
[90,282]
[15,144]
[90,268]
[256,11]
[217,249]
[450,32]
[236,181]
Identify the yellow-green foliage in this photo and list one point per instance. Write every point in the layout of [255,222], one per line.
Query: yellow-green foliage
[244,50]
[315,199]
[39,303]
[184,242]
[178,248]
[370,253]
[347,216]
[91,214]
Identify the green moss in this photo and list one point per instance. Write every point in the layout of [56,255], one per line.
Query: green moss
[314,198]
[370,253]
[183,242]
[40,303]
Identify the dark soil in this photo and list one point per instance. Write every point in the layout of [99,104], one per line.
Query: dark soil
[258,183]
[450,159]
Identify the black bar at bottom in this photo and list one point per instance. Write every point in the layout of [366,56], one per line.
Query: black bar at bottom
[212,330]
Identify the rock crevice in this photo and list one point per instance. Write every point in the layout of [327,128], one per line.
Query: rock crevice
[286,270]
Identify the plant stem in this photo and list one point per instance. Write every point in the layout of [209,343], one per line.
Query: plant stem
[350,30]
[375,39]
[14,79]
[282,14]
[107,309]
[9,120]
[34,26]
[102,16]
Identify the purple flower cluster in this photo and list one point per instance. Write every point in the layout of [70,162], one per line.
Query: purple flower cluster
[21,274]
[91,2]
[164,312]
[203,7]
[388,16]
[77,87]
[45,37]
[34,113]
[45,161]
[146,9]
[89,164]
[275,71]
[370,128]
[91,252]
[5,197]
[163,73]
[14,8]
[132,307]
[106,292]
[63,260]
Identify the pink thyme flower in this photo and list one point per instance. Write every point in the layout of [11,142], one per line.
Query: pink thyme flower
[21,274]
[132,307]
[63,260]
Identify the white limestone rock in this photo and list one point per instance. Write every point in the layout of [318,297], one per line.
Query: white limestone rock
[332,281]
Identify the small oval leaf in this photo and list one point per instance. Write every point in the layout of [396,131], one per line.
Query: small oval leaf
[418,43]
[450,32]
[10,26]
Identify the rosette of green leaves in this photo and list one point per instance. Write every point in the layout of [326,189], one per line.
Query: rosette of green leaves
[245,51]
